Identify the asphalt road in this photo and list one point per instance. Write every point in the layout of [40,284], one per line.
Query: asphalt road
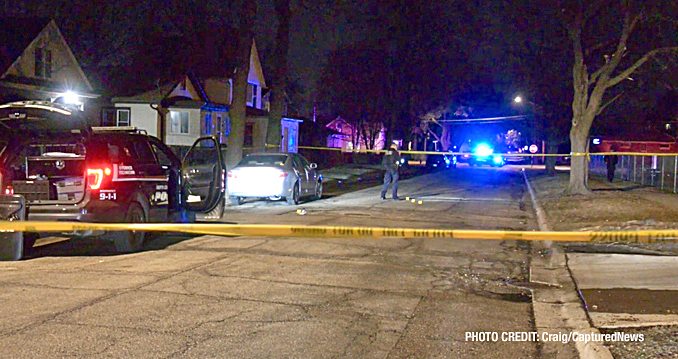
[253,297]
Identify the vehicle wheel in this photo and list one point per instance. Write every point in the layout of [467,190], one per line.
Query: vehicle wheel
[318,190]
[294,198]
[236,201]
[131,241]
[218,211]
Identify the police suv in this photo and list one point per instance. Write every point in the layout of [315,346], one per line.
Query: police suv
[64,170]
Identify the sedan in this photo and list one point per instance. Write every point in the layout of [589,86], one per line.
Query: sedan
[274,176]
[441,161]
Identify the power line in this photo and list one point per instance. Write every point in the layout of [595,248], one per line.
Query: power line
[487,120]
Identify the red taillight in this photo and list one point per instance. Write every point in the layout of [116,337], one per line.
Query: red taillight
[231,175]
[9,190]
[283,174]
[95,176]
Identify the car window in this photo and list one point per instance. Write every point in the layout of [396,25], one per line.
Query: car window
[162,157]
[201,156]
[297,163]
[107,151]
[263,160]
[304,161]
[142,151]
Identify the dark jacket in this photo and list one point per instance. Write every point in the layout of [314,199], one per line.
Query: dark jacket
[610,160]
[391,160]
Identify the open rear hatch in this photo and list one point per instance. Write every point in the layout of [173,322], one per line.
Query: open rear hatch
[43,152]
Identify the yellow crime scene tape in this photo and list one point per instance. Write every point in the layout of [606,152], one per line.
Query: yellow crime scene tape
[572,154]
[222,229]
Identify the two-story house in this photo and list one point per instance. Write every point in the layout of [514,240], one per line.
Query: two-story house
[36,63]
[196,104]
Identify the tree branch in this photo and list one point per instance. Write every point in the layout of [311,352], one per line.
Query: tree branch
[626,73]
[597,46]
[608,103]
[629,25]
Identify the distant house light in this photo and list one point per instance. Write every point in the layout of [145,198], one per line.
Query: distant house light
[668,126]
[596,141]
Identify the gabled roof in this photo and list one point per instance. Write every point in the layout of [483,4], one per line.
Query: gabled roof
[340,125]
[153,96]
[16,35]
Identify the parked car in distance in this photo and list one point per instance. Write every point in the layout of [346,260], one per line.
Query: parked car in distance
[442,160]
[274,176]
[516,152]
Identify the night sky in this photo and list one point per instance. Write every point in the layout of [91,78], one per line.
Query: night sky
[478,47]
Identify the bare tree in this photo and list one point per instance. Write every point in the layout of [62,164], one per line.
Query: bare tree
[600,65]
[282,45]
[248,11]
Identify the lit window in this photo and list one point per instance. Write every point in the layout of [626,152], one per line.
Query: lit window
[252,95]
[208,124]
[122,117]
[179,122]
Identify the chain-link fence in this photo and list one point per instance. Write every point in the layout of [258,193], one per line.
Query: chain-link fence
[651,170]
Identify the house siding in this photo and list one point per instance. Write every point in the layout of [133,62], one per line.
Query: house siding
[142,116]
[65,71]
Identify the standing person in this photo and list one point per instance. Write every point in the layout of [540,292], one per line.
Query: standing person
[391,162]
[610,162]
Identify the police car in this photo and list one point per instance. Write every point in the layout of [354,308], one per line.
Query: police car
[65,170]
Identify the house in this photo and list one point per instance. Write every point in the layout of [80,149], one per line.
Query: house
[647,141]
[177,112]
[36,63]
[196,104]
[348,137]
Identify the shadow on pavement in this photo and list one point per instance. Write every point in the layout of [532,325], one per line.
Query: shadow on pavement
[621,189]
[91,247]
[367,180]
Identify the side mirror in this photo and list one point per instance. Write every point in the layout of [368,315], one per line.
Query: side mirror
[313,165]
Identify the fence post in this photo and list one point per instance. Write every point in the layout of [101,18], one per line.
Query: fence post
[635,169]
[642,170]
[661,186]
[675,171]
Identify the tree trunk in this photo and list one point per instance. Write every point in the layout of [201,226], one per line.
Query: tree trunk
[579,168]
[550,162]
[237,112]
[282,9]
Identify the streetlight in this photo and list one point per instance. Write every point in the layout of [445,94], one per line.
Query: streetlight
[536,111]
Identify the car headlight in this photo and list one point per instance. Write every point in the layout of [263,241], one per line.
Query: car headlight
[497,159]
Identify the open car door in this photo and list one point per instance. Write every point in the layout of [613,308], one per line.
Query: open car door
[203,175]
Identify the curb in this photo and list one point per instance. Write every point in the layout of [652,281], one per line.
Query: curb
[556,304]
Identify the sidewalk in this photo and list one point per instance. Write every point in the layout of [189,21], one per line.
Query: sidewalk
[625,287]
